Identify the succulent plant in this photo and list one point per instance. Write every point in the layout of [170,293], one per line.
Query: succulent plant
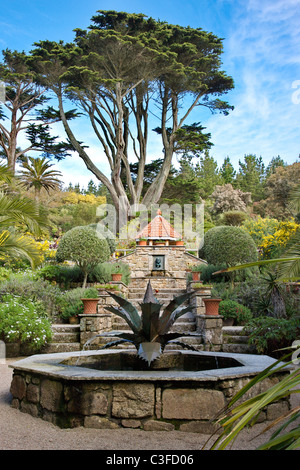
[150,330]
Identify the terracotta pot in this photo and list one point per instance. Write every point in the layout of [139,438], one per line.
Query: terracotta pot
[179,242]
[90,305]
[73,320]
[142,242]
[196,276]
[212,306]
[116,277]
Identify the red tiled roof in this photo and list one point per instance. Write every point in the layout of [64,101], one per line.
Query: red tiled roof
[159,228]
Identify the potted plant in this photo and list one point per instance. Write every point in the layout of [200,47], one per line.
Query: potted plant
[90,300]
[102,288]
[196,272]
[116,274]
[142,242]
[179,242]
[212,306]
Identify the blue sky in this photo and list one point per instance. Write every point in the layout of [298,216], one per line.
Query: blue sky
[261,53]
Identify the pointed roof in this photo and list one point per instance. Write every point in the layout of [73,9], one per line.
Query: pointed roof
[159,228]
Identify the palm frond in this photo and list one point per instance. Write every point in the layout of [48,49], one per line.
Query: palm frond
[17,245]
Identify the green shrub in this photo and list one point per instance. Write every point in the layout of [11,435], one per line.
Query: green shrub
[84,247]
[232,309]
[209,269]
[31,288]
[270,335]
[103,271]
[70,303]
[25,322]
[63,275]
[235,218]
[228,245]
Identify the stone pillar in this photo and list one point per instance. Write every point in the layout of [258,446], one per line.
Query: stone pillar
[95,324]
[209,326]
[92,325]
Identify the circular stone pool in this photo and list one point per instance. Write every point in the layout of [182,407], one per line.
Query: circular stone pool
[183,390]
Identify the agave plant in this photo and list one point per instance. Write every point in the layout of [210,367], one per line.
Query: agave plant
[150,330]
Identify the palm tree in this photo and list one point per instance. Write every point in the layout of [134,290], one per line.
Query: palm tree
[18,215]
[36,173]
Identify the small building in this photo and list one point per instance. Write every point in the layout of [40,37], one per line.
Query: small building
[160,256]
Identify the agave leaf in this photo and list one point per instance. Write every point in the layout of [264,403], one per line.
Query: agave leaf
[149,351]
[183,345]
[126,316]
[172,318]
[115,343]
[167,338]
[150,319]
[129,308]
[121,334]
[173,305]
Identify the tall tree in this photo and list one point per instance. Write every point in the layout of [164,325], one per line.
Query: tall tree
[251,176]
[227,171]
[115,72]
[208,175]
[23,97]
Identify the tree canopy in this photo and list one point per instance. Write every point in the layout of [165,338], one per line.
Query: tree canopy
[114,72]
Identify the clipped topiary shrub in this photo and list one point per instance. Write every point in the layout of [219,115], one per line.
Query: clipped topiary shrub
[228,245]
[84,247]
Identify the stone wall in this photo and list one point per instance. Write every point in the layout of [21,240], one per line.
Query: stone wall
[186,406]
[177,261]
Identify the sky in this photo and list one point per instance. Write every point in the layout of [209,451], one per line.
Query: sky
[261,53]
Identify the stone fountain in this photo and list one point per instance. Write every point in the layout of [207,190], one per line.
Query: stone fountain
[154,388]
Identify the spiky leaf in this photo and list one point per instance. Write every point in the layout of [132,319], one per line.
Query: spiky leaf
[125,315]
[149,351]
[129,308]
[173,305]
[164,328]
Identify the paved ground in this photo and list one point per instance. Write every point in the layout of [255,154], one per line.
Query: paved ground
[20,431]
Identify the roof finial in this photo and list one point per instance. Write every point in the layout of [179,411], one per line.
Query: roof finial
[158,212]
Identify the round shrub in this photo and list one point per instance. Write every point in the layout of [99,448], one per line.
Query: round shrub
[229,245]
[84,247]
[232,309]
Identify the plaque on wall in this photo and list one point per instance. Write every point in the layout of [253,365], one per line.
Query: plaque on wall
[158,263]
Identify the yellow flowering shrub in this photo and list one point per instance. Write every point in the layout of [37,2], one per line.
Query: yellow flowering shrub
[270,235]
[76,198]
[272,245]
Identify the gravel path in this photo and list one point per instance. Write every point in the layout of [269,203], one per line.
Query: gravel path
[20,431]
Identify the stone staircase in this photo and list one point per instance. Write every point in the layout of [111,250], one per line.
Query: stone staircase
[66,338]
[234,341]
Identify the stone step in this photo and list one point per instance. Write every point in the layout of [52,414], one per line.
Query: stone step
[65,327]
[66,333]
[233,330]
[66,337]
[239,348]
[170,290]
[61,347]
[160,295]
